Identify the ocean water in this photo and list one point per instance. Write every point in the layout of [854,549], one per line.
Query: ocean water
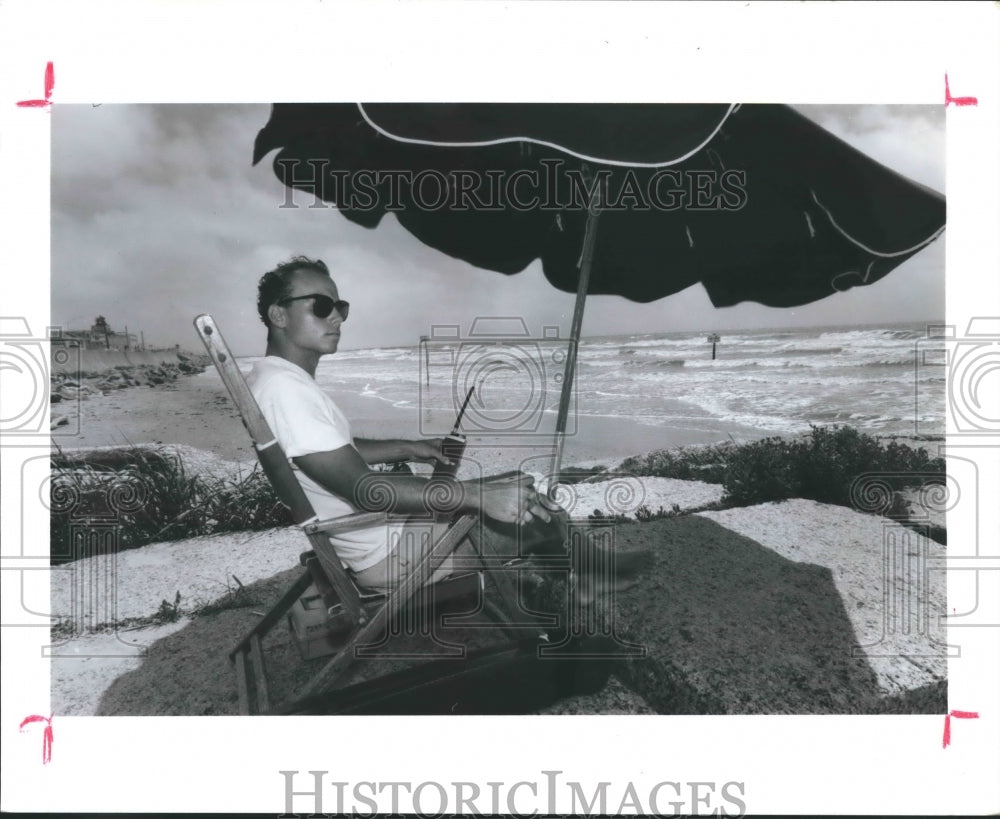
[761,381]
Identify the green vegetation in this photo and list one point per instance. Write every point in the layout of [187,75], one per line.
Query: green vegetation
[703,464]
[828,467]
[824,466]
[837,465]
[169,612]
[145,496]
[238,597]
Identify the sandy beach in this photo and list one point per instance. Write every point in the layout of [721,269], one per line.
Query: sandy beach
[774,608]
[196,411]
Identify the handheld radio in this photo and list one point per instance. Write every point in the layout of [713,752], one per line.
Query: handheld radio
[453,445]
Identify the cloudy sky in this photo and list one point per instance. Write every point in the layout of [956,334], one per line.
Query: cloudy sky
[158,215]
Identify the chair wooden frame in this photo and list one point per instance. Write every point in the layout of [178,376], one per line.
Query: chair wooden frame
[323,567]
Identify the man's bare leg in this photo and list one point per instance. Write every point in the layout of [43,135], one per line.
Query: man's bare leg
[404,557]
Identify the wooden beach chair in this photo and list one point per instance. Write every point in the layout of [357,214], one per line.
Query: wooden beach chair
[356,617]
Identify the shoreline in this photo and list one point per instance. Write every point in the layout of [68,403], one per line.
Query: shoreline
[194,411]
[197,412]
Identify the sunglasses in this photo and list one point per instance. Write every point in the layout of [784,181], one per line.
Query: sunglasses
[322,305]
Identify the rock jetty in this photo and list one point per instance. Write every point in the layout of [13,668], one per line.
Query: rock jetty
[66,388]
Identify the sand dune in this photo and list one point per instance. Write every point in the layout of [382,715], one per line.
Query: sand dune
[845,547]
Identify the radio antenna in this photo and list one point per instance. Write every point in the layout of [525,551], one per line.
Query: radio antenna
[461,412]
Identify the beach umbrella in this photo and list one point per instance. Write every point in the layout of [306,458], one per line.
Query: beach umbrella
[755,202]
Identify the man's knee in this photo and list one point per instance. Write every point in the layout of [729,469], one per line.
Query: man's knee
[536,537]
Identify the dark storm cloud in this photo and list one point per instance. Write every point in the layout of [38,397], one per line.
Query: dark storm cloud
[158,215]
[907,138]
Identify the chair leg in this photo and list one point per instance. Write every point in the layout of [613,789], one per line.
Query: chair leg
[505,586]
[259,675]
[251,646]
[277,611]
[242,689]
[396,599]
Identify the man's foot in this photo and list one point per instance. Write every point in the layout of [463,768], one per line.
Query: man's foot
[598,572]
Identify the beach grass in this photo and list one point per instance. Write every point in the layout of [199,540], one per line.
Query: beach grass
[149,496]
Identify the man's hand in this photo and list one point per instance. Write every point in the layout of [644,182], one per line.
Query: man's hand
[513,502]
[427,451]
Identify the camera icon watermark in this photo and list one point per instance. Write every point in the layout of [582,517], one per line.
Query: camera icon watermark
[69,581]
[972,561]
[971,366]
[913,601]
[928,589]
[515,378]
[26,364]
[554,578]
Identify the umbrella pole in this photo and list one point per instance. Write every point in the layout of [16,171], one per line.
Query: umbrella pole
[586,260]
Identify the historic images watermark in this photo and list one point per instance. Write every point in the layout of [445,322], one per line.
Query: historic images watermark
[549,794]
[549,187]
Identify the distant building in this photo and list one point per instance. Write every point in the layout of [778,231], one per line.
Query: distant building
[100,336]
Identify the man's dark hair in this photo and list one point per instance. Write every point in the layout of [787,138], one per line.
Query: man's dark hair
[276,284]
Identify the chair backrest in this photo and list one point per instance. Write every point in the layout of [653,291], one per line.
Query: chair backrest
[275,464]
[269,452]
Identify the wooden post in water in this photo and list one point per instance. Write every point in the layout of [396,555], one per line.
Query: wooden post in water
[714,339]
[427,360]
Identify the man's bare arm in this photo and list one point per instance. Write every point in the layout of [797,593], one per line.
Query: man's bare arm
[344,472]
[391,450]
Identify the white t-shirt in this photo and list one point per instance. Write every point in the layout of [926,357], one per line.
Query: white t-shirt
[305,420]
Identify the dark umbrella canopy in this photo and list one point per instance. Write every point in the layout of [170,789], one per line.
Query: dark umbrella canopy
[756,202]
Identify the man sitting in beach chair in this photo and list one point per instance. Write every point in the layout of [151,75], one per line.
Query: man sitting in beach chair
[301,306]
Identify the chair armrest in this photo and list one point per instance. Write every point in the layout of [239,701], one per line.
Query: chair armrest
[513,476]
[333,526]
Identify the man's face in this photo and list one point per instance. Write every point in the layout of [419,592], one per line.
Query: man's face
[303,328]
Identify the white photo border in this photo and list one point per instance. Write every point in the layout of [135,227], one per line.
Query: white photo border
[662,52]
